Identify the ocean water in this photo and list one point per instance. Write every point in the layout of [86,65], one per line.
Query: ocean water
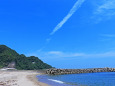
[86,79]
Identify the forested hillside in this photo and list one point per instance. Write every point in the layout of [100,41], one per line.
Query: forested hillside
[8,56]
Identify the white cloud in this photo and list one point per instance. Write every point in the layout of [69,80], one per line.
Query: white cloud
[108,35]
[55,52]
[83,55]
[100,55]
[109,5]
[64,54]
[71,12]
[105,11]
[48,40]
[61,55]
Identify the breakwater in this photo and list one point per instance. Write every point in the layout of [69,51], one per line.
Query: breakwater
[78,71]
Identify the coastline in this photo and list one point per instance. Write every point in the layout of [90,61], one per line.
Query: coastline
[83,79]
[51,81]
[34,79]
[20,78]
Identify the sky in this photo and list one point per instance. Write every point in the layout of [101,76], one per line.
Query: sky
[62,33]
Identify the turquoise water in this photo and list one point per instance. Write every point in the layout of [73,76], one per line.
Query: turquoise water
[87,79]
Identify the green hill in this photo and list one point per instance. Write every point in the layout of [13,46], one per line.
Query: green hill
[8,56]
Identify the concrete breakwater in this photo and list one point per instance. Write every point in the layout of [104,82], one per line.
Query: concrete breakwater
[78,71]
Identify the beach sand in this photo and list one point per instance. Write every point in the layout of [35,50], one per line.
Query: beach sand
[20,78]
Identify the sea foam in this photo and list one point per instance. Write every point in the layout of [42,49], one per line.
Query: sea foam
[56,81]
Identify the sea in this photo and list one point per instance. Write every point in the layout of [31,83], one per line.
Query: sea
[85,79]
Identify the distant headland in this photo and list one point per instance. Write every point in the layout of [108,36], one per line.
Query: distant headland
[10,59]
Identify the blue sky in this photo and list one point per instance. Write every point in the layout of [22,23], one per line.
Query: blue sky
[62,33]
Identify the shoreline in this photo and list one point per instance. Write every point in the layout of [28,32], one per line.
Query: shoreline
[85,79]
[20,78]
[52,82]
[34,79]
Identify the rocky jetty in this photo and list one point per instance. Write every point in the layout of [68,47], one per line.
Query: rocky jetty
[78,71]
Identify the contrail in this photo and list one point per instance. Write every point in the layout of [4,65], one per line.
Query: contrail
[71,12]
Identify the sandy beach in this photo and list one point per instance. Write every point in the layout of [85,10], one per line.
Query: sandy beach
[20,78]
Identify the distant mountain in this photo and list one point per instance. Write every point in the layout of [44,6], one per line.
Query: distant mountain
[10,58]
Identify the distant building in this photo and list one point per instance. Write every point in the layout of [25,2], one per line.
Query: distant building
[11,65]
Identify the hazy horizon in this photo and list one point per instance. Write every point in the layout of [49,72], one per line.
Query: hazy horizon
[62,33]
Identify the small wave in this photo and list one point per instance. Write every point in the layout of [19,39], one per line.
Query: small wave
[56,81]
